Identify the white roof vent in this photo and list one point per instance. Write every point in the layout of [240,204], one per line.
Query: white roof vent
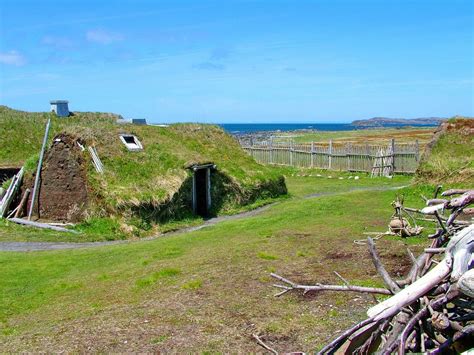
[131,142]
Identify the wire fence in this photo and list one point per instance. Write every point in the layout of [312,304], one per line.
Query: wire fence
[376,159]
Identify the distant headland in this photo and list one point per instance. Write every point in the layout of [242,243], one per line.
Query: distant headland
[384,122]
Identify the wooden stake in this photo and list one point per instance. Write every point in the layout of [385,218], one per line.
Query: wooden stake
[38,169]
[22,204]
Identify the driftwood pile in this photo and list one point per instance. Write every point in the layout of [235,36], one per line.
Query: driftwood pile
[432,309]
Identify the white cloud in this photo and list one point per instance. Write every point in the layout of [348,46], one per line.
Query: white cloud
[12,58]
[58,42]
[103,37]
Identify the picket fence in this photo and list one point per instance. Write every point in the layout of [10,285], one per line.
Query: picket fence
[377,159]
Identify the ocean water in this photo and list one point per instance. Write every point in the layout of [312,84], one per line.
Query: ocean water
[242,128]
[284,127]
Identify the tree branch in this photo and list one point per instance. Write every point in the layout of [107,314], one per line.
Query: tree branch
[322,287]
[392,286]
[263,345]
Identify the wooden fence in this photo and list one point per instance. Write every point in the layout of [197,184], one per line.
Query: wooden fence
[392,158]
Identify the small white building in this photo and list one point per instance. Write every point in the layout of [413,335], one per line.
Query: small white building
[60,107]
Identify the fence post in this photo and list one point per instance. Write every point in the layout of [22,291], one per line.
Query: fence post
[393,156]
[417,151]
[291,152]
[330,154]
[348,156]
[312,154]
[369,158]
[271,149]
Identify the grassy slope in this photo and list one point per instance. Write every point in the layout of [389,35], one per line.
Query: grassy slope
[202,291]
[451,158]
[131,178]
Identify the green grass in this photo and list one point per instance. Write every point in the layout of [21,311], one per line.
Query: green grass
[383,135]
[307,182]
[300,183]
[209,285]
[451,159]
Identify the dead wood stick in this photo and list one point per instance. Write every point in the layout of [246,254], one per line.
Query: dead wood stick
[432,305]
[374,337]
[465,199]
[263,345]
[322,287]
[40,225]
[22,204]
[411,293]
[468,211]
[454,192]
[336,343]
[398,323]
[343,279]
[13,212]
[435,250]
[409,327]
[436,201]
[392,286]
[464,332]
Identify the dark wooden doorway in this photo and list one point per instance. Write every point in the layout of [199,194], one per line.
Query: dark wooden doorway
[202,189]
[201,199]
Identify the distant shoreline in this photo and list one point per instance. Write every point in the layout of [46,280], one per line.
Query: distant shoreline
[255,128]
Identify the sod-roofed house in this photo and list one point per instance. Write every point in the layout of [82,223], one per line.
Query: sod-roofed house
[93,166]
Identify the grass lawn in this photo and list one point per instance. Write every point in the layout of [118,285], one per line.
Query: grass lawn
[208,290]
[371,136]
[301,183]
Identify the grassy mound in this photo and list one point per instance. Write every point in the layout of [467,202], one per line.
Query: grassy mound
[153,182]
[449,158]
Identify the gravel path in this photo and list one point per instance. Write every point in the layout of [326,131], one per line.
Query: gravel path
[39,246]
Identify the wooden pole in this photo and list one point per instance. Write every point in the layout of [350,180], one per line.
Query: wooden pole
[38,170]
[348,156]
[330,154]
[312,154]
[271,150]
[393,156]
[369,159]
[291,152]
[22,204]
[417,150]
[40,225]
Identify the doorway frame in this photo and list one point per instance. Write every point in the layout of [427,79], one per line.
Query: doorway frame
[194,169]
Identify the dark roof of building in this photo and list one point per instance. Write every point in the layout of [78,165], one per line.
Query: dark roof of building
[141,121]
[52,102]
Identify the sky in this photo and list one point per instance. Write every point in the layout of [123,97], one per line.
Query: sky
[240,61]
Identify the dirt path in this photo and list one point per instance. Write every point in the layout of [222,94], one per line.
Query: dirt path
[39,246]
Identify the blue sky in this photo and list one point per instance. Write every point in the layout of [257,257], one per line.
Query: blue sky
[240,61]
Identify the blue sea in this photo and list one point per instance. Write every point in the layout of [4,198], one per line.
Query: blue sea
[243,128]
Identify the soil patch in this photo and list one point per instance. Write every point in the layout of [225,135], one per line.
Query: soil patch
[63,191]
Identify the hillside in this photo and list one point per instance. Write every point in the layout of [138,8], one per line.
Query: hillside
[387,122]
[449,158]
[151,184]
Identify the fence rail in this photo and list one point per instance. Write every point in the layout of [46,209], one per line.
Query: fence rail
[376,159]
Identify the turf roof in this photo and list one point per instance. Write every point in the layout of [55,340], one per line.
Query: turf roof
[151,175]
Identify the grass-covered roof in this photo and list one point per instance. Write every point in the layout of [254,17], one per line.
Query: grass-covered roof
[152,175]
[449,159]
